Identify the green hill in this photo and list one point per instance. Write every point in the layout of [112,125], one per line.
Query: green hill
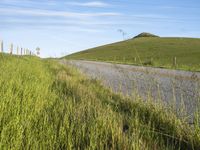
[150,51]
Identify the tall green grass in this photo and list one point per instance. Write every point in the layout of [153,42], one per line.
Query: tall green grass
[45,105]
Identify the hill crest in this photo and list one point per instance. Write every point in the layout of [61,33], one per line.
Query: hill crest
[145,34]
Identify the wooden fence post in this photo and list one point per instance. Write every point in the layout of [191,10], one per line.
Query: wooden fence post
[151,61]
[124,59]
[21,51]
[175,61]
[17,50]
[11,48]
[135,59]
[1,47]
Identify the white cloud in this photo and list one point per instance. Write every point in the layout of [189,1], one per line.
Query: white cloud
[52,13]
[90,4]
[150,16]
[91,23]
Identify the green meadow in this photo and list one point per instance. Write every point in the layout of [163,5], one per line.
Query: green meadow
[46,105]
[148,51]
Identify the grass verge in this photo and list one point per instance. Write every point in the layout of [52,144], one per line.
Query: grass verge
[45,105]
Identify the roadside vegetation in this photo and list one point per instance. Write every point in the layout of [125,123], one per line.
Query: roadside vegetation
[172,53]
[46,105]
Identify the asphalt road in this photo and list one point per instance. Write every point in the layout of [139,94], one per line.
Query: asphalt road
[169,86]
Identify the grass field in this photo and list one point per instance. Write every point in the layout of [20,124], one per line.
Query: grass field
[45,105]
[148,51]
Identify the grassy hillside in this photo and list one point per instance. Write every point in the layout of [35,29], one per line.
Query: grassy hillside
[45,105]
[149,51]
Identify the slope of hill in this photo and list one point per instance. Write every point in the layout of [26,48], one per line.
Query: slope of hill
[45,105]
[150,51]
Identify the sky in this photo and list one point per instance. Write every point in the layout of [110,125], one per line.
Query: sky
[62,27]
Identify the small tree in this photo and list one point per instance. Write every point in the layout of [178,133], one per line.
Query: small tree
[38,51]
[123,33]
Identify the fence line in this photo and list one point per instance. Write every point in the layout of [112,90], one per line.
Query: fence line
[1,48]
[19,50]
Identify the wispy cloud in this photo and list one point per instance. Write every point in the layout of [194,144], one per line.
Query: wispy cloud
[90,4]
[150,16]
[180,7]
[29,3]
[90,23]
[49,13]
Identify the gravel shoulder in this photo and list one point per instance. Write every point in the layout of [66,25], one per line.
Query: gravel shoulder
[170,86]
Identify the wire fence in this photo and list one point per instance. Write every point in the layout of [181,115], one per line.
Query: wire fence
[18,50]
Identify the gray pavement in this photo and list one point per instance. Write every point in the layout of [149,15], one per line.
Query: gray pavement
[169,86]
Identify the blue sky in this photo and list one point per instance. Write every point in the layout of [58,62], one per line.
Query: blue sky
[61,27]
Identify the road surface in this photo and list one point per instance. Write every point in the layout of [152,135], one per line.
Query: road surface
[170,86]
